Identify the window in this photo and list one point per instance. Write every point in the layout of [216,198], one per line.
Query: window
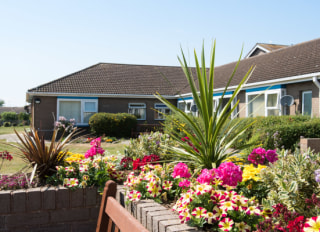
[307,103]
[256,105]
[272,104]
[160,111]
[263,103]
[138,109]
[79,109]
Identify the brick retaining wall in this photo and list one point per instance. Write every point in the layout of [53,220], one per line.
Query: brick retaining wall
[153,216]
[62,209]
[49,209]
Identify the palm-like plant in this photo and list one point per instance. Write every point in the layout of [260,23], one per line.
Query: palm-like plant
[44,156]
[211,145]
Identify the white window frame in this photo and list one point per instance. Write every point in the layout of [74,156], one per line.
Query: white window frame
[303,93]
[186,102]
[82,101]
[158,107]
[132,106]
[266,93]
[216,103]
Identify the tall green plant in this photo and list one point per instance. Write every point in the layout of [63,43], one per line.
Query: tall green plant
[44,156]
[210,146]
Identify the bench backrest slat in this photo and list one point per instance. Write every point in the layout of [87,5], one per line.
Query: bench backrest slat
[113,216]
[122,218]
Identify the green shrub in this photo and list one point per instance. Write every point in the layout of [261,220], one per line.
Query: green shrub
[277,131]
[7,124]
[9,116]
[23,117]
[118,125]
[291,180]
[155,143]
[173,124]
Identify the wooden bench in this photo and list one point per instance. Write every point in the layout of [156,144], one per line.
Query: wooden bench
[113,217]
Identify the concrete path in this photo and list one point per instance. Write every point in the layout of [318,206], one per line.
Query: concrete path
[10,138]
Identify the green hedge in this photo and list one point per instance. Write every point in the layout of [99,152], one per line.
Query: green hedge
[279,131]
[9,116]
[118,125]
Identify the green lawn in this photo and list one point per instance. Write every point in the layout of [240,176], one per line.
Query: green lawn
[17,163]
[10,130]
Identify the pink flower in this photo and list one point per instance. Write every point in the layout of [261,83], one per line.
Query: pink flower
[272,156]
[181,171]
[226,224]
[257,156]
[199,212]
[206,176]
[229,173]
[184,184]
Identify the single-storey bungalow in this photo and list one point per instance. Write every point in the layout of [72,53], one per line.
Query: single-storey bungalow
[284,82]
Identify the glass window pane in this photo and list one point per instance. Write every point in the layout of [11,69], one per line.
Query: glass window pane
[188,106]
[307,103]
[272,100]
[90,107]
[182,106]
[86,116]
[70,109]
[256,107]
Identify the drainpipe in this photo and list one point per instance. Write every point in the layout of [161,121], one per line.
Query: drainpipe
[317,83]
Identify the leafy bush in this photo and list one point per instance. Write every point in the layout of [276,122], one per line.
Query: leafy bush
[155,143]
[7,124]
[281,132]
[118,125]
[23,116]
[9,116]
[291,180]
[174,124]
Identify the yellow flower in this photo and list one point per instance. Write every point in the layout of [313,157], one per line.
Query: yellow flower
[251,172]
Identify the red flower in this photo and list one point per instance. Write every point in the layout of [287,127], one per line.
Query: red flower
[296,225]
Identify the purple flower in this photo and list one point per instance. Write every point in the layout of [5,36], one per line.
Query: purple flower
[272,156]
[257,156]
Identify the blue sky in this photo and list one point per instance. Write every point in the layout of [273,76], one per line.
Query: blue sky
[43,40]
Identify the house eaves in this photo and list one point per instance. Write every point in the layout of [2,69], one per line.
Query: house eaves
[279,81]
[30,95]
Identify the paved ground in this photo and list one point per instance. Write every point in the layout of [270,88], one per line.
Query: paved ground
[10,138]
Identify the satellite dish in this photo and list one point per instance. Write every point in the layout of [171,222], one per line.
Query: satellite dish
[287,100]
[194,108]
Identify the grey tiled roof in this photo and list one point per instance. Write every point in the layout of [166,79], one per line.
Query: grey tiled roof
[106,78]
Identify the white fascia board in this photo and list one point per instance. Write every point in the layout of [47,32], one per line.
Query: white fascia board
[285,80]
[52,94]
[254,48]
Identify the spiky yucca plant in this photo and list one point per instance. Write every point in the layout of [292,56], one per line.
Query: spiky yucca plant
[211,145]
[35,151]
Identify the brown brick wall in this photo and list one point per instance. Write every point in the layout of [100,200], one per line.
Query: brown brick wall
[295,90]
[49,209]
[45,113]
[120,105]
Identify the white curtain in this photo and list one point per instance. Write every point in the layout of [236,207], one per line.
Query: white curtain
[70,109]
[257,106]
